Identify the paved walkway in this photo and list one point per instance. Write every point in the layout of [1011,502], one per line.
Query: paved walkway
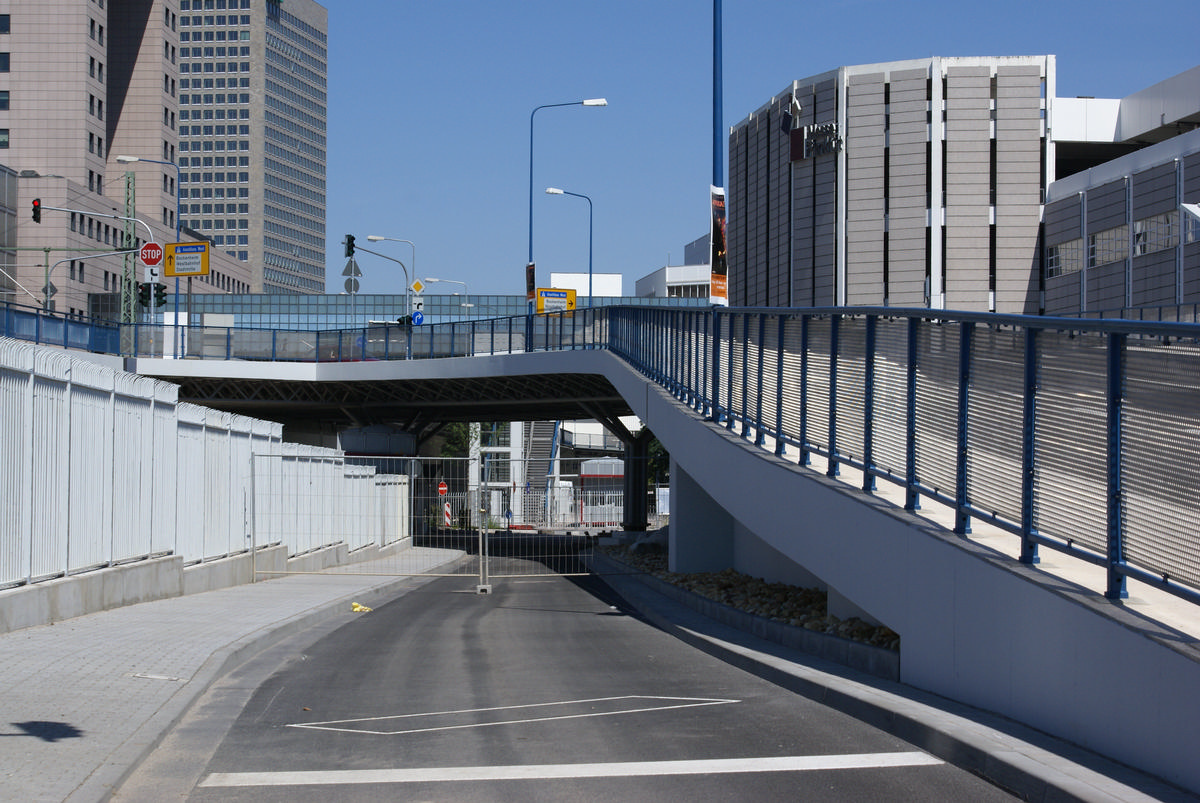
[85,700]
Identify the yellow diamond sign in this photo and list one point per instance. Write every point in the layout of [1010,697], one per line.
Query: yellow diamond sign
[417,286]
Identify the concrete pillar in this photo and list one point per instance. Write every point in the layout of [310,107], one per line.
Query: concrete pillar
[637,453]
[702,532]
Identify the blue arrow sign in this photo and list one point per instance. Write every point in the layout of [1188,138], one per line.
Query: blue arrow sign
[418,318]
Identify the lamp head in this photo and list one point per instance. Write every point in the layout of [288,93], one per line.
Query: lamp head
[127,159]
[595,102]
[553,191]
[375,238]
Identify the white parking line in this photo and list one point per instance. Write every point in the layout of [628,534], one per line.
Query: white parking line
[563,771]
[488,717]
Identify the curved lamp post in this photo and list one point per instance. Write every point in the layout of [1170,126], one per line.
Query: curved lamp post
[588,102]
[407,300]
[557,191]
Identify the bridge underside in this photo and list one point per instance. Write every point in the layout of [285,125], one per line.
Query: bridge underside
[412,404]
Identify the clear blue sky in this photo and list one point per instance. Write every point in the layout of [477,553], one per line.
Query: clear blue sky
[429,106]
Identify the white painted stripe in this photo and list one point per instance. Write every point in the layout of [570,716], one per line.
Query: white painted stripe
[562,771]
[354,726]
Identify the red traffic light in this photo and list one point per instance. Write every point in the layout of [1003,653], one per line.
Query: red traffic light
[37,210]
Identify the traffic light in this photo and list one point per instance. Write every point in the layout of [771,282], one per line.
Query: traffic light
[143,292]
[160,294]
[37,210]
[349,245]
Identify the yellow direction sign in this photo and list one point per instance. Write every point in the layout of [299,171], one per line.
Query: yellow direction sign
[186,259]
[417,286]
[552,300]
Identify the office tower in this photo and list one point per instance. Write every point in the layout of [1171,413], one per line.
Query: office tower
[252,108]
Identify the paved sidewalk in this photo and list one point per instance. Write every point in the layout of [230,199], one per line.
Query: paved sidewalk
[84,700]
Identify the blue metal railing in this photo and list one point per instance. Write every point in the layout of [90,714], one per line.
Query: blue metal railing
[1074,435]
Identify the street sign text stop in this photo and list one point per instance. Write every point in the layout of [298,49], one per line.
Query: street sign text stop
[151,254]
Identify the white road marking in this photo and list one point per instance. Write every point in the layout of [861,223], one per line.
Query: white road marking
[630,704]
[562,771]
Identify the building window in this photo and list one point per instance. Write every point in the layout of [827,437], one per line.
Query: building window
[3,138]
[1156,233]
[1064,258]
[1108,246]
[4,100]
[3,62]
[5,20]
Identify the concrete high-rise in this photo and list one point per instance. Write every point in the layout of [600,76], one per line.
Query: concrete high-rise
[252,123]
[223,104]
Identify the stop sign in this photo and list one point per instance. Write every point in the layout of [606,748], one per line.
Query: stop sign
[443,489]
[151,254]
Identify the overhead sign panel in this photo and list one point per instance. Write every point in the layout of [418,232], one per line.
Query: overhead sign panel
[186,259]
[552,300]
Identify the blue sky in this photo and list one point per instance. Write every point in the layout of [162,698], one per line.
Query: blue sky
[429,106]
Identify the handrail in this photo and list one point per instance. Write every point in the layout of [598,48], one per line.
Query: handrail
[1056,430]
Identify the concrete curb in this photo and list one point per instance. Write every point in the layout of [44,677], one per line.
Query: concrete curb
[875,661]
[1017,758]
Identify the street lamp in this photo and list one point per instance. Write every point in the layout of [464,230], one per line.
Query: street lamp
[375,238]
[588,102]
[557,191]
[178,187]
[466,305]
[178,213]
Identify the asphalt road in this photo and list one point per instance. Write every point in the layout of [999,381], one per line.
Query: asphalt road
[546,689]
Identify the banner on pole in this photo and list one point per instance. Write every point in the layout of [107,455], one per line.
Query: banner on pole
[717,284]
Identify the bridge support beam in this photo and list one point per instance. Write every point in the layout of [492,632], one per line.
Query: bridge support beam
[637,460]
[702,532]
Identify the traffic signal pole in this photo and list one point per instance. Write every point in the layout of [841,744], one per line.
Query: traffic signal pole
[128,314]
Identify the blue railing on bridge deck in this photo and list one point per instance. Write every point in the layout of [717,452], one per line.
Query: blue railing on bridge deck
[1075,435]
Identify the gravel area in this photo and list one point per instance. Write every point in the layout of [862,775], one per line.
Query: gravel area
[780,602]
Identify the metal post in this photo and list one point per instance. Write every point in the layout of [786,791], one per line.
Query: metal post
[779,446]
[804,457]
[1116,491]
[868,483]
[762,336]
[962,521]
[835,325]
[715,416]
[1029,548]
[912,499]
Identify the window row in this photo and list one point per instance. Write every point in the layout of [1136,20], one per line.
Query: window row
[210,20]
[216,192]
[214,52]
[216,114]
[95,31]
[220,224]
[210,99]
[217,161]
[1150,235]
[212,5]
[218,145]
[215,83]
[215,67]
[220,209]
[218,178]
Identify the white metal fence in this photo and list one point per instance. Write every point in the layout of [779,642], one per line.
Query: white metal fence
[100,467]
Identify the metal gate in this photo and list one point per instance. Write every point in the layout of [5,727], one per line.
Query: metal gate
[475,518]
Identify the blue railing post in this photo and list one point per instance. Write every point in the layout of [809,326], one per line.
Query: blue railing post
[868,483]
[835,325]
[715,400]
[1116,490]
[745,373]
[761,437]
[805,459]
[912,500]
[962,520]
[1029,547]
[779,444]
